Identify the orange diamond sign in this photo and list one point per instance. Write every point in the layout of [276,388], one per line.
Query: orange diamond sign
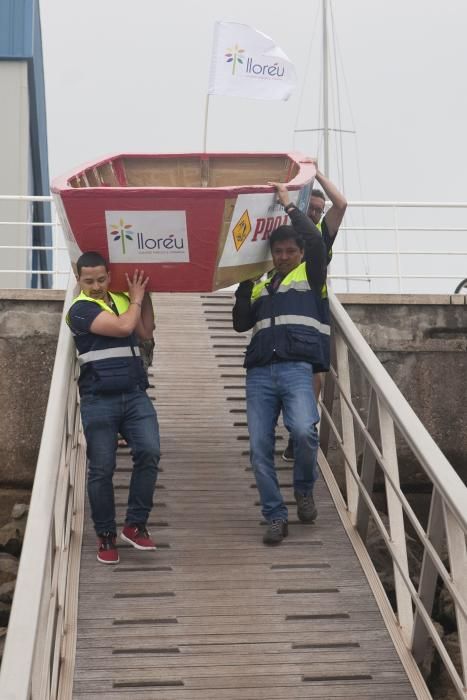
[241,230]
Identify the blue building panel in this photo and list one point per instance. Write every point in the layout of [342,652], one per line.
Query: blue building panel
[16,28]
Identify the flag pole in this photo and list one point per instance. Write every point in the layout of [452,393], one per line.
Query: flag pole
[206,114]
[325,90]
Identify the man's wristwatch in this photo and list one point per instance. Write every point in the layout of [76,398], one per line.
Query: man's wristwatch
[289,206]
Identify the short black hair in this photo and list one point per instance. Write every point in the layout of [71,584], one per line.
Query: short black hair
[285,233]
[90,259]
[318,193]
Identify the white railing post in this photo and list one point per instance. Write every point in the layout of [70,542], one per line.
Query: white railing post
[456,538]
[368,467]
[396,521]
[348,433]
[398,257]
[428,576]
[327,400]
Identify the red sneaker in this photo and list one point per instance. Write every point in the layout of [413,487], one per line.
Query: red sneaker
[107,552]
[138,536]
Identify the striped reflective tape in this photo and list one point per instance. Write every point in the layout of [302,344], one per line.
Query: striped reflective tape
[106,354]
[297,285]
[323,328]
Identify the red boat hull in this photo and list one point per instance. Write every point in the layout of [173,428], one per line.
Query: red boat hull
[193,222]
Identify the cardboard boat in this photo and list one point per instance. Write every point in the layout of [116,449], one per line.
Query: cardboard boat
[193,222]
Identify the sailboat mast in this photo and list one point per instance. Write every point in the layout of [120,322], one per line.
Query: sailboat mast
[325,90]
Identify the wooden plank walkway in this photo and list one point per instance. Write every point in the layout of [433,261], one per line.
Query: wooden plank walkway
[213,614]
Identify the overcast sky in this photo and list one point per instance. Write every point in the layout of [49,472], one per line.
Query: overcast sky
[132,76]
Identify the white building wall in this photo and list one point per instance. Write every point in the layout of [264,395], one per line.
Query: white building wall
[15,169]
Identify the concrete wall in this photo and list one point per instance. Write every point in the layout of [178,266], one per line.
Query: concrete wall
[29,325]
[421,341]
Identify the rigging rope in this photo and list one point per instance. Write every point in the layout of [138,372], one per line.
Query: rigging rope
[339,62]
[307,69]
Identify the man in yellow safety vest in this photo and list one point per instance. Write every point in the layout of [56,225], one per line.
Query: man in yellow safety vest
[328,223]
[112,384]
[288,315]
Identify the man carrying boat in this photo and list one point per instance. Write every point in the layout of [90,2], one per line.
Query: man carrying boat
[112,385]
[290,341]
[329,223]
[329,226]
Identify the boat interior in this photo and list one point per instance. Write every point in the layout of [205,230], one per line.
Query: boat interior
[204,170]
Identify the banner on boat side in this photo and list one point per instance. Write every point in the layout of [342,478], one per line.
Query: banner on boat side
[247,63]
[147,236]
[254,218]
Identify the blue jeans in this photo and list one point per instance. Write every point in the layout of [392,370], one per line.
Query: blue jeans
[104,416]
[286,386]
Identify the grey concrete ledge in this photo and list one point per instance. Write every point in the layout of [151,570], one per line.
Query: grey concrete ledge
[405,299]
[32,294]
[344,298]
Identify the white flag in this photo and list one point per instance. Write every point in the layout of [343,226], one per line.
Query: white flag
[247,63]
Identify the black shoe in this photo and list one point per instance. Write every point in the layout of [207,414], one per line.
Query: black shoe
[288,455]
[306,509]
[277,530]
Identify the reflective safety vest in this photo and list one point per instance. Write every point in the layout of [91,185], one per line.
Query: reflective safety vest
[292,323]
[108,364]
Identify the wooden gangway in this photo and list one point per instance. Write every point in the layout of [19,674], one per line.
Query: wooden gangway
[213,614]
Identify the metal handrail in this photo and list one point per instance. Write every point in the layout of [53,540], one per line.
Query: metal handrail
[415,205]
[38,621]
[388,411]
[381,278]
[418,438]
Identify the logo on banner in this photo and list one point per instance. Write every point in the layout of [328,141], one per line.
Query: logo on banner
[253,68]
[152,236]
[247,63]
[241,230]
[122,232]
[234,56]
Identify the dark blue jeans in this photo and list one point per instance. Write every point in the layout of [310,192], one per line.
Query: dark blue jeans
[104,416]
[286,386]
